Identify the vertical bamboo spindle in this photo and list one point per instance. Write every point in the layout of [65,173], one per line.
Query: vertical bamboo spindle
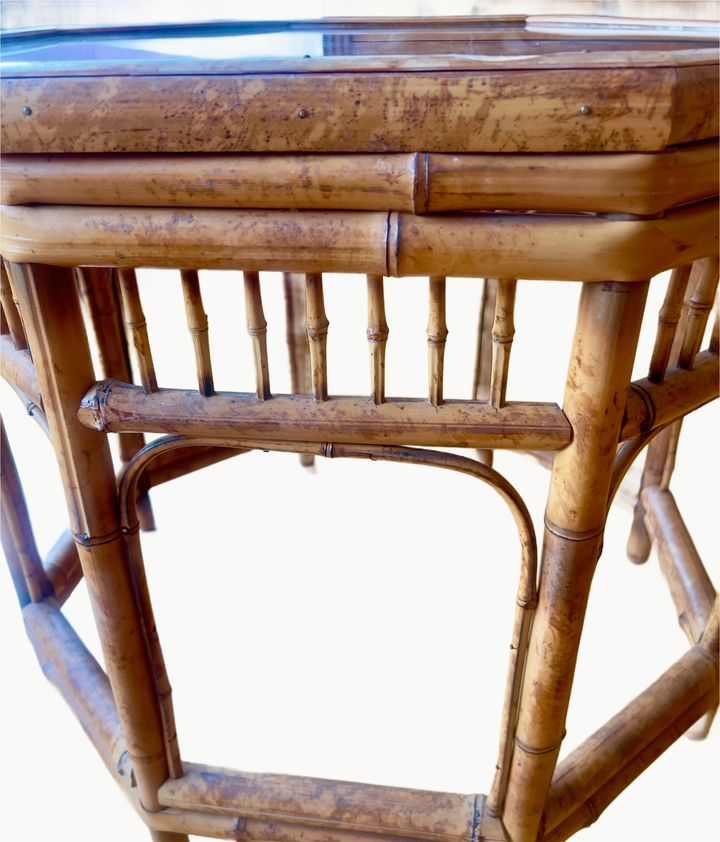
[317,328]
[297,342]
[502,334]
[377,334]
[257,329]
[64,366]
[699,307]
[11,312]
[606,334]
[18,522]
[667,322]
[671,454]
[198,326]
[436,337]
[135,320]
[101,296]
[483,353]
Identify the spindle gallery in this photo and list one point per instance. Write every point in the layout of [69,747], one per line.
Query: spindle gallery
[572,150]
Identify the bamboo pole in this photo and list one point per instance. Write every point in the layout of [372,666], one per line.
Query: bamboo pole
[699,307]
[483,353]
[714,346]
[502,336]
[436,337]
[13,560]
[667,321]
[588,812]
[135,320]
[18,369]
[606,333]
[62,356]
[377,334]
[712,631]
[101,296]
[690,586]
[317,328]
[11,312]
[63,568]
[606,752]
[671,454]
[257,330]
[198,327]
[18,521]
[115,407]
[297,342]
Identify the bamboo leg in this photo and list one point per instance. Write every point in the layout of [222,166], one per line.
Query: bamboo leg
[101,296]
[13,561]
[18,520]
[64,368]
[63,567]
[257,329]
[667,322]
[606,334]
[639,543]
[135,320]
[198,326]
[168,836]
[297,342]
[317,328]
[502,335]
[699,307]
[436,336]
[483,353]
[377,334]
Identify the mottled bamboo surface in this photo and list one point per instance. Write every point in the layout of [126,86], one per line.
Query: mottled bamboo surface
[381,633]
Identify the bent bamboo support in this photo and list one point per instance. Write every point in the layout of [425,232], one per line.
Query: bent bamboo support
[544,247]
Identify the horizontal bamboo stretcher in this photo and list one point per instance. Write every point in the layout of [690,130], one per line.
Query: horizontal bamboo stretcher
[534,246]
[635,183]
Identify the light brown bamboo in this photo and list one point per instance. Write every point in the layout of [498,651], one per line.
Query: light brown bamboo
[13,560]
[436,337]
[483,353]
[18,368]
[377,334]
[651,405]
[712,631]
[317,328]
[606,752]
[700,304]
[174,465]
[198,327]
[297,342]
[117,407]
[588,812]
[502,335]
[314,802]
[690,586]
[63,568]
[671,454]
[135,320]
[714,346]
[63,362]
[10,311]
[100,293]
[607,329]
[257,330]
[18,520]
[668,320]
[637,183]
[545,247]
[639,542]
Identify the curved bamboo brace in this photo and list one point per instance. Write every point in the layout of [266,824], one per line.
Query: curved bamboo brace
[527,589]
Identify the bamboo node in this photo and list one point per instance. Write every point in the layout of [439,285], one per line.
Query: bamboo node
[530,750]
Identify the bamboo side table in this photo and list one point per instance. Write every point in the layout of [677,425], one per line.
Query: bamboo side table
[565,149]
